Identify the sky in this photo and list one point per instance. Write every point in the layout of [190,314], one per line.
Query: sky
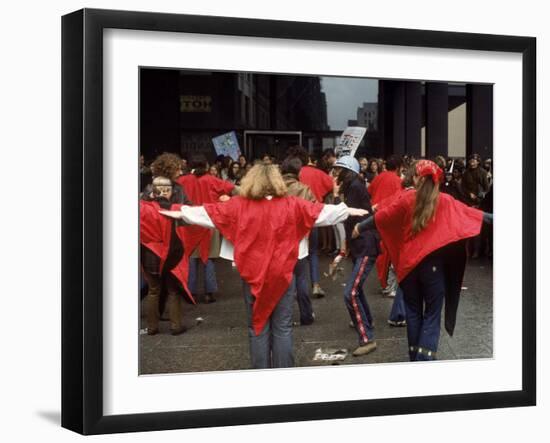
[344,95]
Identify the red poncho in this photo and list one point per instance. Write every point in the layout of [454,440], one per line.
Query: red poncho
[265,235]
[202,190]
[453,221]
[155,233]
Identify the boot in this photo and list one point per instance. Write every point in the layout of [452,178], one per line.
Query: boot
[152,307]
[174,312]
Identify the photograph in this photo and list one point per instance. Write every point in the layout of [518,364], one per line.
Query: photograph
[292,220]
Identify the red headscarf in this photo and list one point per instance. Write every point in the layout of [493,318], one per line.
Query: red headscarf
[426,168]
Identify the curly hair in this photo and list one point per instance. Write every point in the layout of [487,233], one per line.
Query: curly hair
[167,165]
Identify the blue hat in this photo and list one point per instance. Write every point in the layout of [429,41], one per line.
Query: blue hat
[348,162]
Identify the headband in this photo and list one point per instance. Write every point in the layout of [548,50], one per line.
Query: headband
[161,181]
[429,168]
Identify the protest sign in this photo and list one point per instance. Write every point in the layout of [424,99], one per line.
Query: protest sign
[349,141]
[227,145]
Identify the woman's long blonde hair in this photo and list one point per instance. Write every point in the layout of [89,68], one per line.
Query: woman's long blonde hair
[427,196]
[262,180]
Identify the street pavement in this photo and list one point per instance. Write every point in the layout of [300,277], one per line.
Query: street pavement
[216,338]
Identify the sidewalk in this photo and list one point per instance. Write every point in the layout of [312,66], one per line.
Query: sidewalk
[219,342]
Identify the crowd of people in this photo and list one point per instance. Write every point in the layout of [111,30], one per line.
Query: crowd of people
[414,221]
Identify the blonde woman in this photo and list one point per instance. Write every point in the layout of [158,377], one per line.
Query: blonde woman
[424,232]
[264,227]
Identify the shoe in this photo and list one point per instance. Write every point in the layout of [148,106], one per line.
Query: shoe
[390,294]
[301,323]
[365,349]
[318,291]
[178,331]
[209,298]
[397,323]
[152,331]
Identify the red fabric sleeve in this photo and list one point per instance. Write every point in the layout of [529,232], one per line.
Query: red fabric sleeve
[307,213]
[390,221]
[224,216]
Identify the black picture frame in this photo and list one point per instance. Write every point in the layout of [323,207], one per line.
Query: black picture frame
[82,218]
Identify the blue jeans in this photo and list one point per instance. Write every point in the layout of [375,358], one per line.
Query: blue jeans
[398,308]
[355,300]
[424,292]
[210,284]
[302,292]
[313,257]
[272,348]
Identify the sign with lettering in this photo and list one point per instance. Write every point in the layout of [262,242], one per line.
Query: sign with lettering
[349,141]
[195,103]
[227,145]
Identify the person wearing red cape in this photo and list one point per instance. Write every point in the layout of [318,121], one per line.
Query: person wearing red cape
[384,186]
[264,226]
[425,233]
[164,254]
[202,188]
[165,246]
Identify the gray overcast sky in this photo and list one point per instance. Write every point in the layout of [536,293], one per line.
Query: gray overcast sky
[344,96]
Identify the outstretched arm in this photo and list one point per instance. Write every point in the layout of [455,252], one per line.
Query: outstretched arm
[193,215]
[364,225]
[333,214]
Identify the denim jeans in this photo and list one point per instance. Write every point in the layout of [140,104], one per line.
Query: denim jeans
[272,348]
[340,236]
[302,292]
[210,284]
[392,280]
[355,300]
[313,256]
[424,292]
[398,308]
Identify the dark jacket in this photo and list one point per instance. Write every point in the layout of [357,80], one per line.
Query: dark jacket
[476,182]
[367,244]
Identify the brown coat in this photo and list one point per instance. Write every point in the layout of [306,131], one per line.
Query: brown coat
[297,188]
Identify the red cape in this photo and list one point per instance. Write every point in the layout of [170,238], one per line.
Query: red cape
[453,221]
[154,234]
[318,181]
[265,235]
[202,190]
[384,185]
